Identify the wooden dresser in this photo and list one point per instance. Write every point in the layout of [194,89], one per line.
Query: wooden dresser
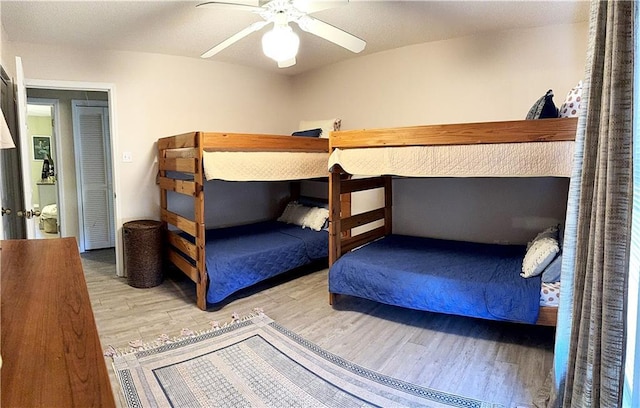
[50,348]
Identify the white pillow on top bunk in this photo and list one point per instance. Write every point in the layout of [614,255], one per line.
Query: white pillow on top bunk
[306,217]
[540,252]
[327,125]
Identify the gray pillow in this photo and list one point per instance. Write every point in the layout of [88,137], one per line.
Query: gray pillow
[551,273]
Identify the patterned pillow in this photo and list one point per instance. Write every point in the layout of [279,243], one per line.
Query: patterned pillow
[544,108]
[550,294]
[571,106]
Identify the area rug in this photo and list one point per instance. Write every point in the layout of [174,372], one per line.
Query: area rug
[255,362]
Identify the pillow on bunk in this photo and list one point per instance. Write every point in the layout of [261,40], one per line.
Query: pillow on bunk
[551,273]
[327,125]
[316,202]
[543,108]
[538,256]
[308,133]
[288,213]
[551,232]
[571,106]
[306,217]
[315,218]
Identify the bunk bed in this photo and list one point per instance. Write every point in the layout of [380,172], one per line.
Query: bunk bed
[225,260]
[479,280]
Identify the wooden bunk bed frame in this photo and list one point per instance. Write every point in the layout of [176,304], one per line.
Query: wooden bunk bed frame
[341,222]
[190,257]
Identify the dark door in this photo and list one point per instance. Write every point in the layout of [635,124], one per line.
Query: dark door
[10,175]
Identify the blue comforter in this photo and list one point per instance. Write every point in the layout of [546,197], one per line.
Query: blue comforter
[462,278]
[238,257]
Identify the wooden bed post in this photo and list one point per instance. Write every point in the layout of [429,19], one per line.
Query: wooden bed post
[163,202]
[345,207]
[334,215]
[335,224]
[201,285]
[388,206]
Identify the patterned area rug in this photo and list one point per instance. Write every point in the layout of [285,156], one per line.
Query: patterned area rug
[256,362]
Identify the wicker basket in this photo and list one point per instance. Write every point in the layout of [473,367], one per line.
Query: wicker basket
[143,253]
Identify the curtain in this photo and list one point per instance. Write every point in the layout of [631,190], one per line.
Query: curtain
[590,337]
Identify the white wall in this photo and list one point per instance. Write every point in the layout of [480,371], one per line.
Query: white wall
[496,76]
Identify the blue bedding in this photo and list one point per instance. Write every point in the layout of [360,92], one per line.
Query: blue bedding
[238,257]
[461,278]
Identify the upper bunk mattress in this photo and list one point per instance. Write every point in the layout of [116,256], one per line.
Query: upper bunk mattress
[238,257]
[264,166]
[258,166]
[531,159]
[461,278]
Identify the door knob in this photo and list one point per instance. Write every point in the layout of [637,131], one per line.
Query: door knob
[6,211]
[29,213]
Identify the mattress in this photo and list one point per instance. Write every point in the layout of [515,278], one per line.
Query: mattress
[264,166]
[532,159]
[461,278]
[238,257]
[258,166]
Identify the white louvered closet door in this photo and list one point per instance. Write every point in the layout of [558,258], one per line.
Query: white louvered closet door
[93,169]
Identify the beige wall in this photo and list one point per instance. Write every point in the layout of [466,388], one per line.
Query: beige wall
[496,76]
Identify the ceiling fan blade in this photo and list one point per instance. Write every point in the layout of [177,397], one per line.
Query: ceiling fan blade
[234,38]
[331,33]
[246,5]
[287,63]
[311,6]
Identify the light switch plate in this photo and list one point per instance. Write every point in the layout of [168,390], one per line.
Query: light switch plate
[127,157]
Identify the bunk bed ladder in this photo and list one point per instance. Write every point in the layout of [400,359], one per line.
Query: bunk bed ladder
[342,237]
[186,255]
[198,211]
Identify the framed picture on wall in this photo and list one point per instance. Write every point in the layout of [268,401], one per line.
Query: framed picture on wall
[41,147]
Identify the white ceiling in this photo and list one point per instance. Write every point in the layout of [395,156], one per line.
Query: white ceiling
[178,28]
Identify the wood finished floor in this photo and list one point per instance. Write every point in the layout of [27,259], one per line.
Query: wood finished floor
[492,361]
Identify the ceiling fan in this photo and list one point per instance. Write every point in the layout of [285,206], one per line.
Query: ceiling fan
[281,43]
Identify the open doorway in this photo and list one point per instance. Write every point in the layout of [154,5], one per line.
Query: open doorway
[43,137]
[75,153]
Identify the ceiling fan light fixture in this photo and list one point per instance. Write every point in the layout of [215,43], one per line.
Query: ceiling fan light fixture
[280,43]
